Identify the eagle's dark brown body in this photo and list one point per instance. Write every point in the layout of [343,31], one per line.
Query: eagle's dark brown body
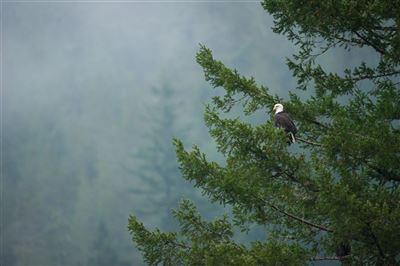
[283,120]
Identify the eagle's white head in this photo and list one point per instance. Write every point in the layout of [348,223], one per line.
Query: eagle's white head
[278,108]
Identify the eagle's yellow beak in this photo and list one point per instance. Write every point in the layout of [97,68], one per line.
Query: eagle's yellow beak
[273,109]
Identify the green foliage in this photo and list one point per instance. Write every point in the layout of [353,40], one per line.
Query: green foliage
[335,197]
[210,244]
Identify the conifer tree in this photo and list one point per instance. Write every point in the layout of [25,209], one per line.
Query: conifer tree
[337,197]
[159,186]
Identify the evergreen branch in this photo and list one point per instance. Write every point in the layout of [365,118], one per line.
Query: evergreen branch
[317,123]
[375,240]
[367,42]
[350,41]
[361,41]
[385,28]
[324,50]
[385,173]
[307,185]
[177,244]
[309,142]
[282,172]
[376,76]
[329,258]
[302,220]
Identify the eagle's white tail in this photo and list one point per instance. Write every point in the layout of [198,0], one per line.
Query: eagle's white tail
[293,138]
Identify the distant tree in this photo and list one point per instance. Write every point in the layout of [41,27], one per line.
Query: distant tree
[35,201]
[104,253]
[159,183]
[337,196]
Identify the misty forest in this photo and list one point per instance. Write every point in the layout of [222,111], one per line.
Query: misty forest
[143,133]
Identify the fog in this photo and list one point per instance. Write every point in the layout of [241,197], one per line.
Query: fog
[92,95]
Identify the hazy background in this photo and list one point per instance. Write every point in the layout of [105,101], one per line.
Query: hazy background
[92,95]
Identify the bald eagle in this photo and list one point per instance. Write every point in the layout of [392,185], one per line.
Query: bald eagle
[283,120]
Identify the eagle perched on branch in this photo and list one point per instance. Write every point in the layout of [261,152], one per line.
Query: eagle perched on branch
[283,120]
